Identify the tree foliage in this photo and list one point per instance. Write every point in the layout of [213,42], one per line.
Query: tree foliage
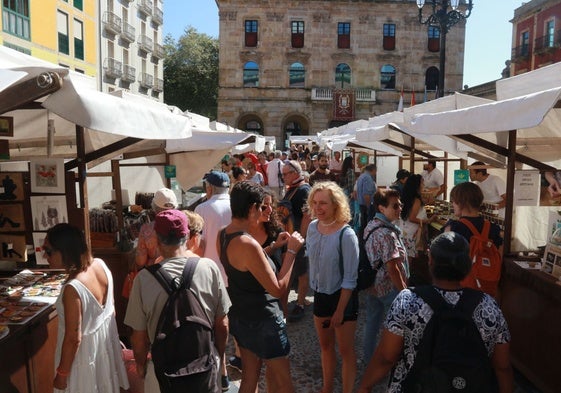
[191,72]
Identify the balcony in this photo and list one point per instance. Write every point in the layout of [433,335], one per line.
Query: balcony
[362,94]
[158,85]
[129,73]
[128,32]
[158,16]
[112,68]
[145,43]
[111,22]
[547,43]
[520,53]
[146,80]
[145,6]
[159,51]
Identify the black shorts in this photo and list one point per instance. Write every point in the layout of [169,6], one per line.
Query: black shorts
[266,338]
[301,264]
[325,305]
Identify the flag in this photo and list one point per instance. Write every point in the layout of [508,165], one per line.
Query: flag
[413,98]
[425,97]
[400,105]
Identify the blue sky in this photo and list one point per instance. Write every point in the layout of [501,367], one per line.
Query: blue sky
[488,32]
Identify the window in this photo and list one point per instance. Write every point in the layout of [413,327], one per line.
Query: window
[254,127]
[343,35]
[387,77]
[294,127]
[62,28]
[79,4]
[78,40]
[296,75]
[389,36]
[251,74]
[431,78]
[342,75]
[251,30]
[15,18]
[524,43]
[549,34]
[433,39]
[297,31]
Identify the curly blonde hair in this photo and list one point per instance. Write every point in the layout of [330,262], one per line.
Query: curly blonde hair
[338,197]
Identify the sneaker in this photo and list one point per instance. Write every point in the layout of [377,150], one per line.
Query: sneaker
[225,383]
[235,362]
[296,314]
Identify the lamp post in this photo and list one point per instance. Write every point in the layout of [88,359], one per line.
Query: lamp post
[445,14]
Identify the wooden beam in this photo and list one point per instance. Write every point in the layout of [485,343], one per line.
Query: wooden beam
[509,207]
[104,151]
[25,92]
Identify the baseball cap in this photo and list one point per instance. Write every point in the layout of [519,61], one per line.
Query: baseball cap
[164,198]
[402,174]
[171,223]
[217,179]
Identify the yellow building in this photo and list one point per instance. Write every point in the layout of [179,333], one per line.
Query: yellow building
[58,31]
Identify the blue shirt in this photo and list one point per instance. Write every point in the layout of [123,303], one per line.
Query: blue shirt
[365,185]
[323,254]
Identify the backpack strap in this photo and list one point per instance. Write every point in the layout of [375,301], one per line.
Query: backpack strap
[468,301]
[341,249]
[472,228]
[170,283]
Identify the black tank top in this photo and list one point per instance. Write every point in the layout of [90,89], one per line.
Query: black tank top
[250,300]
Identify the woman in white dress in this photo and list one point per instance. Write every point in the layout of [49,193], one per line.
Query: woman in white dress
[413,223]
[88,353]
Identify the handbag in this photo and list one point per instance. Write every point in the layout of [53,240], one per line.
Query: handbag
[127,285]
[421,239]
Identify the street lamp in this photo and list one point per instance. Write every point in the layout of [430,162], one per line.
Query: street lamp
[444,18]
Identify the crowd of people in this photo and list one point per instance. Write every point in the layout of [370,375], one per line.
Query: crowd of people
[298,219]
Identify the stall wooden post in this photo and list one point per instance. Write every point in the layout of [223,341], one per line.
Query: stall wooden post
[116,181]
[82,184]
[509,207]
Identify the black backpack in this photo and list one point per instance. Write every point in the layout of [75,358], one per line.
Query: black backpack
[185,358]
[451,356]
[366,272]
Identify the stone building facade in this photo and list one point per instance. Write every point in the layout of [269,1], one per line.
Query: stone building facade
[294,67]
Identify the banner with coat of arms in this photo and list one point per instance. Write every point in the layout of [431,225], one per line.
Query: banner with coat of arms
[343,105]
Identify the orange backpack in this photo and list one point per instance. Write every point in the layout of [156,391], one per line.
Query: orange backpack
[486,260]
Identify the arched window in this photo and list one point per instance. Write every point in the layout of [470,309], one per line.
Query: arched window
[296,75]
[387,77]
[251,123]
[251,74]
[431,78]
[342,75]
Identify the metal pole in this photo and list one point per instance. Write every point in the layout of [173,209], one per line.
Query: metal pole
[442,62]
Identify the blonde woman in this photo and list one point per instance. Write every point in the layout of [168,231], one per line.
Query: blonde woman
[333,253]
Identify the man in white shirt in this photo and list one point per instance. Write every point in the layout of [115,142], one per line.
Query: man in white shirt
[492,186]
[274,175]
[216,214]
[434,180]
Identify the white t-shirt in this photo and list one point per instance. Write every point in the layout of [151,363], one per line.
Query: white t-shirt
[493,187]
[434,179]
[273,170]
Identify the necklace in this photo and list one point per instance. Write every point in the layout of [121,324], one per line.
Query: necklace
[326,225]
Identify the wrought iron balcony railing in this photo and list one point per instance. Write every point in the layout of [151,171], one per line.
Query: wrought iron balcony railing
[112,68]
[111,22]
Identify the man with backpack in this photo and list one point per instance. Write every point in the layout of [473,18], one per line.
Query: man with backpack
[148,305]
[443,337]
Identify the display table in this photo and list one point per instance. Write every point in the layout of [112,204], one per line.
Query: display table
[531,303]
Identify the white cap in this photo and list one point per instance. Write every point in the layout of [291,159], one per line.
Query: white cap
[164,199]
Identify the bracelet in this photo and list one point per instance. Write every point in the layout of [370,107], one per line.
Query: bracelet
[292,251]
[62,373]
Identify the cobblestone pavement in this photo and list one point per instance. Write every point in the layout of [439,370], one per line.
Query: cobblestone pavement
[305,359]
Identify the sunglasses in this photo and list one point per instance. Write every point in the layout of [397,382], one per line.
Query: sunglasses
[397,206]
[49,251]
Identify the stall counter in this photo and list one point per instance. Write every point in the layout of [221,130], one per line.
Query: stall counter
[531,302]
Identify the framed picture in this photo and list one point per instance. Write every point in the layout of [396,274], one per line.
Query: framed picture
[6,126]
[38,240]
[11,186]
[551,262]
[12,218]
[47,176]
[47,211]
[13,248]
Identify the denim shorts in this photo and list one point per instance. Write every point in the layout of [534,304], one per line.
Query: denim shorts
[266,338]
[325,305]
